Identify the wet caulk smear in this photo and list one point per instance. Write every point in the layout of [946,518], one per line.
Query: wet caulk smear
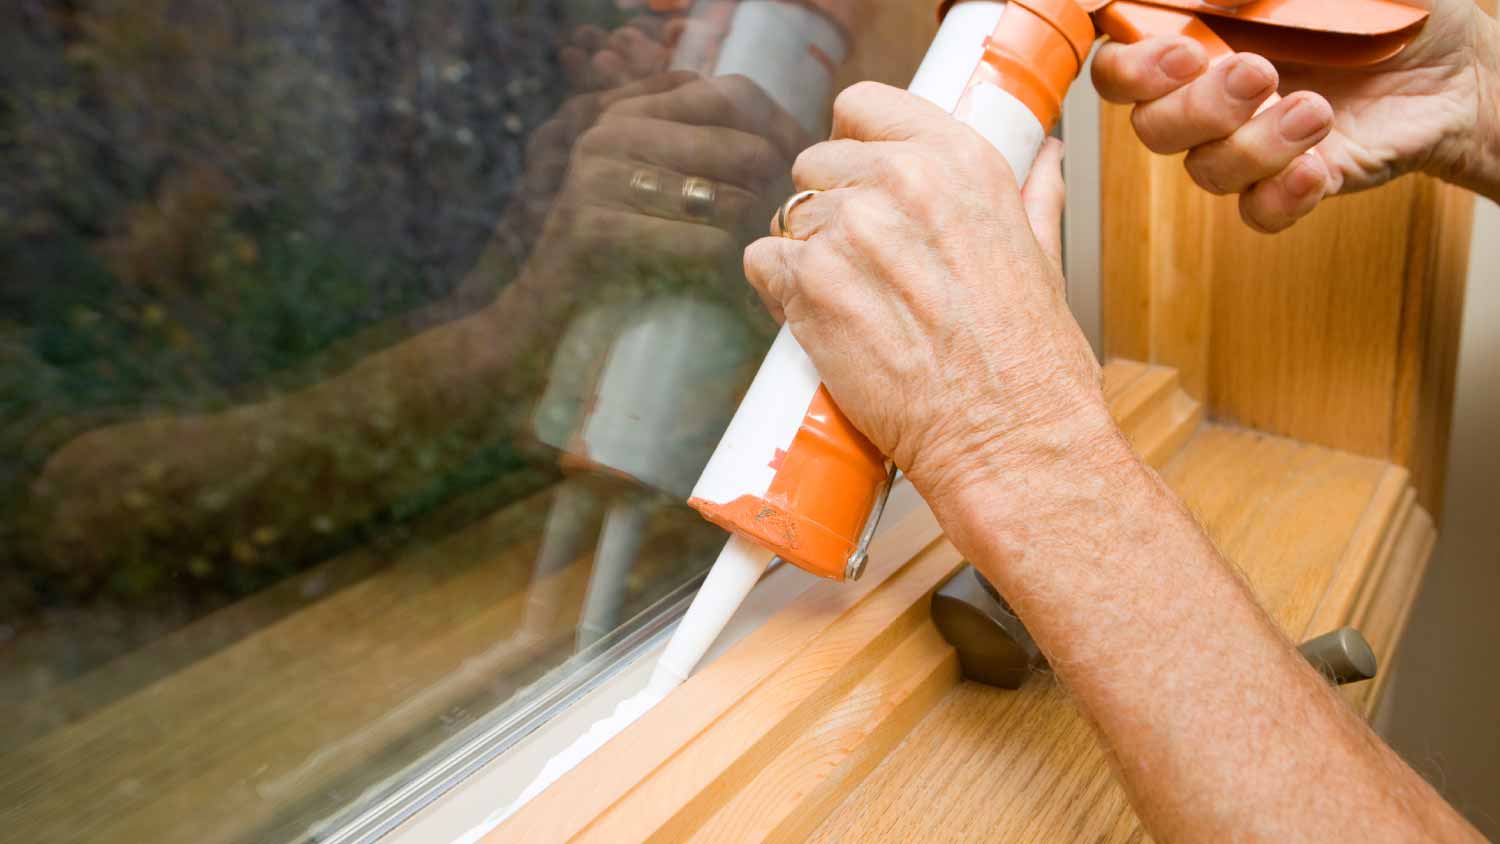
[729,582]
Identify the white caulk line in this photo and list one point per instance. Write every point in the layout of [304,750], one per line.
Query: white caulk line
[729,582]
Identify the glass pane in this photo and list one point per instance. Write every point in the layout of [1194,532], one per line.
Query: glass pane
[356,362]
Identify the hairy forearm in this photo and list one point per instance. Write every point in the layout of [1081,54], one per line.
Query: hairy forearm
[1218,728]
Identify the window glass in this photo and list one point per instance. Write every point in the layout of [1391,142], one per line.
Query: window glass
[356,361]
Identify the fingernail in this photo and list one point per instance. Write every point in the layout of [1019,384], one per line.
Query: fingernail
[1182,62]
[1305,178]
[1303,120]
[1248,79]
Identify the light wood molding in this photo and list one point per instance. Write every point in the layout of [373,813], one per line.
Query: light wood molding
[838,662]
[1302,522]
[1342,331]
[844,719]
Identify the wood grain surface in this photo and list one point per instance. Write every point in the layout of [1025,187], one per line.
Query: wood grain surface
[1023,766]
[762,744]
[1342,331]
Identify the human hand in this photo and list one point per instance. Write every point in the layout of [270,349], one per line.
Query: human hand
[677,170]
[1430,109]
[928,292]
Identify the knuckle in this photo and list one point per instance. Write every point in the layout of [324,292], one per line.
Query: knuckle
[861,220]
[759,161]
[595,139]
[906,175]
[1129,74]
[853,98]
[807,163]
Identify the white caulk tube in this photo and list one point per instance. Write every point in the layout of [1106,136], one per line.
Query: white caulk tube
[619,541]
[674,359]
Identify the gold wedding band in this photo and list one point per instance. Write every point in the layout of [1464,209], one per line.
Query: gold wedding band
[698,198]
[646,181]
[784,214]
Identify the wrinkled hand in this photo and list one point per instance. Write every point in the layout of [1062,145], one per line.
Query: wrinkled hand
[934,313]
[1419,111]
[623,195]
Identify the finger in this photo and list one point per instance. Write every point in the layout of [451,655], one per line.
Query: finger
[1278,202]
[651,26]
[641,55]
[1043,197]
[1209,108]
[1147,70]
[588,37]
[810,216]
[733,102]
[658,192]
[870,111]
[607,69]
[1263,147]
[659,84]
[575,62]
[843,163]
[770,268]
[612,240]
[724,155]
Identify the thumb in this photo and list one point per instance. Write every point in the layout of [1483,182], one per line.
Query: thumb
[1043,196]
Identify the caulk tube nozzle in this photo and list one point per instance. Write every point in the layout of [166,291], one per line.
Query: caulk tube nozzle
[733,575]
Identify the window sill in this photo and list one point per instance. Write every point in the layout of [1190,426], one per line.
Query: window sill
[836,718]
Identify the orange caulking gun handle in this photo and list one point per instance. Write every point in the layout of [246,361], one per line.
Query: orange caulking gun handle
[1129,22]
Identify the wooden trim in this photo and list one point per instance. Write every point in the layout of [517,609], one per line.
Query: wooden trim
[1023,766]
[844,718]
[1342,331]
[804,706]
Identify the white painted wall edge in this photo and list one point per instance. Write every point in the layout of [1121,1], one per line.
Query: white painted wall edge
[1082,221]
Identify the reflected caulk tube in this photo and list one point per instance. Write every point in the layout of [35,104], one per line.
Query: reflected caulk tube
[628,380]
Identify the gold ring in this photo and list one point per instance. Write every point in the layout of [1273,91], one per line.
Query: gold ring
[698,198]
[784,214]
[646,181]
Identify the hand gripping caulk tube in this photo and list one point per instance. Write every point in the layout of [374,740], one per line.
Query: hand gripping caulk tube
[792,475]
[793,478]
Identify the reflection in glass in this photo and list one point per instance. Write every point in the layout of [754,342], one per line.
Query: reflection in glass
[356,360]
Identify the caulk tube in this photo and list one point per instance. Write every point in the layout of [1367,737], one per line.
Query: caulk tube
[790,50]
[627,377]
[792,474]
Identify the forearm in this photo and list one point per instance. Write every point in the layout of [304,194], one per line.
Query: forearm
[1218,728]
[282,472]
